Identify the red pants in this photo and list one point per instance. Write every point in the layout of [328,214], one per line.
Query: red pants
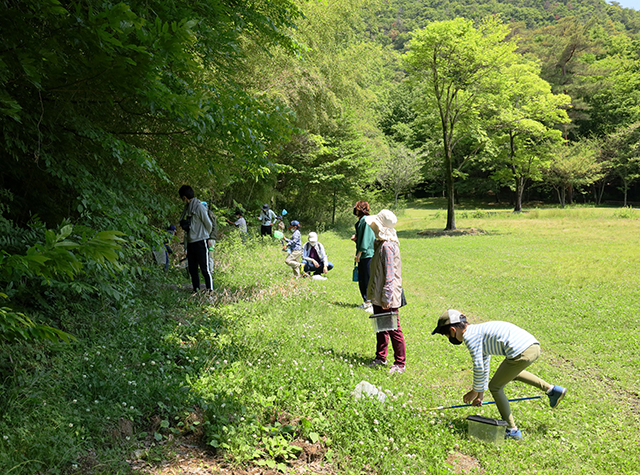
[397,341]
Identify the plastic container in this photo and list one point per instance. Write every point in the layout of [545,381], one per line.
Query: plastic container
[487,429]
[383,322]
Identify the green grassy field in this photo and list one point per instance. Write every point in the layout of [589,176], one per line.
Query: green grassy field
[567,276]
[267,361]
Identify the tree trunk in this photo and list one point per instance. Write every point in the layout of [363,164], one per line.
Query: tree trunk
[451,218]
[562,194]
[333,217]
[519,180]
[519,192]
[569,195]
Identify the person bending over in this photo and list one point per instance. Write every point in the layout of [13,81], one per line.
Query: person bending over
[520,349]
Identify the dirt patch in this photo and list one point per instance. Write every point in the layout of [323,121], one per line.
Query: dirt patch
[455,232]
[190,459]
[463,464]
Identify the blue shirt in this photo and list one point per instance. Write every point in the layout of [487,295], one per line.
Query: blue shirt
[295,243]
[493,338]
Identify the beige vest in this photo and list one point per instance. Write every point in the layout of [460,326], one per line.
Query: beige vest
[376,290]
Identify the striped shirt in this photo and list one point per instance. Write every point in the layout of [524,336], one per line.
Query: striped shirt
[493,338]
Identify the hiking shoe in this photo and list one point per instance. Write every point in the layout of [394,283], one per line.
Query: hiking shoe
[369,309]
[396,369]
[377,362]
[556,395]
[515,434]
[365,305]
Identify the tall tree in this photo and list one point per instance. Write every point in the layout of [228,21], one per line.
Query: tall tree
[100,101]
[330,86]
[611,87]
[455,64]
[524,113]
[621,150]
[575,165]
[566,49]
[401,171]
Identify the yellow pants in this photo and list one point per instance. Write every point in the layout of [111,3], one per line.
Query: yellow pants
[293,260]
[510,370]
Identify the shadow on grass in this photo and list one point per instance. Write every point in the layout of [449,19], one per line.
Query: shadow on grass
[345,304]
[468,204]
[460,427]
[348,357]
[428,233]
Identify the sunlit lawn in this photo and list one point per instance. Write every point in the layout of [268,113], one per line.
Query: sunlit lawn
[569,276]
[268,360]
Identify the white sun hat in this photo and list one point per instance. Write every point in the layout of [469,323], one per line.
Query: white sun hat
[383,225]
[313,238]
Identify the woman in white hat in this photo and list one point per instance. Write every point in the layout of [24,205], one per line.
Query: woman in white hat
[385,287]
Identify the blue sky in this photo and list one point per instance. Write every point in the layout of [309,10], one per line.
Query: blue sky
[635,4]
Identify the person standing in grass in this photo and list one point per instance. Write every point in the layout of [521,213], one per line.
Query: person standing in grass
[294,246]
[385,287]
[520,349]
[197,228]
[241,224]
[364,239]
[267,217]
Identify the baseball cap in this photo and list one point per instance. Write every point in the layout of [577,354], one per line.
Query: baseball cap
[313,238]
[448,317]
[294,223]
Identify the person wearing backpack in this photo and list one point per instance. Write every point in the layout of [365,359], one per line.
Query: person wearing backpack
[267,218]
[197,229]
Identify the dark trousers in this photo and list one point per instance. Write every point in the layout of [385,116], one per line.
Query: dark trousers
[198,256]
[309,268]
[397,341]
[266,230]
[364,272]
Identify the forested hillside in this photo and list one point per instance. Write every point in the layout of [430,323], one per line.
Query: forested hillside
[107,110]
[399,17]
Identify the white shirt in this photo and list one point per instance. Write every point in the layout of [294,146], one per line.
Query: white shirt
[242,224]
[493,338]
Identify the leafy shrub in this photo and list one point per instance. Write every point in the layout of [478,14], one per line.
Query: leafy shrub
[625,213]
